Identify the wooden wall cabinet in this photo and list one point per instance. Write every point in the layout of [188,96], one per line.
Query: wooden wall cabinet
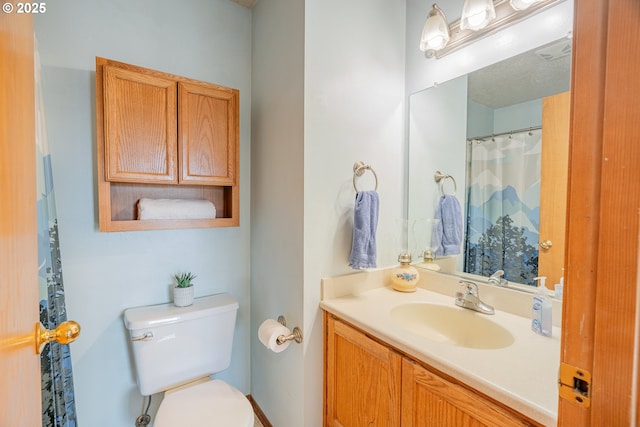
[164,136]
[370,383]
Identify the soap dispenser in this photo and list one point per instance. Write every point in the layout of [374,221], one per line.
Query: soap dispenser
[405,276]
[559,287]
[541,310]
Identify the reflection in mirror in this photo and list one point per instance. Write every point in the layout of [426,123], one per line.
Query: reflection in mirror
[503,131]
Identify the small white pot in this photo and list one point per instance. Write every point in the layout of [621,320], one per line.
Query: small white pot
[183,297]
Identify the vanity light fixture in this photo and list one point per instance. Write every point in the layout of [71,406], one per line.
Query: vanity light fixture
[495,15]
[435,33]
[477,14]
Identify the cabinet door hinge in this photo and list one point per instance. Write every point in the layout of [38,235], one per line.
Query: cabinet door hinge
[575,384]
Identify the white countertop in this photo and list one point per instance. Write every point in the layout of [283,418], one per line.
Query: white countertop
[522,376]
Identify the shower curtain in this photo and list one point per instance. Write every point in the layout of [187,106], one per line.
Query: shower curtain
[503,206]
[58,407]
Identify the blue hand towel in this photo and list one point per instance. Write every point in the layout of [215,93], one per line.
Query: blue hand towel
[449,228]
[365,221]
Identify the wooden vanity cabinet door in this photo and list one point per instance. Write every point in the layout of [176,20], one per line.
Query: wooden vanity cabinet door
[363,379]
[140,127]
[429,400]
[208,133]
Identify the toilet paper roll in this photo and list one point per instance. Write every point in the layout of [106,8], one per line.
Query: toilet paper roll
[268,333]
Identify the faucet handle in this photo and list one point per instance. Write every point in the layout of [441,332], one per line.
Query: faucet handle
[497,279]
[471,288]
[498,274]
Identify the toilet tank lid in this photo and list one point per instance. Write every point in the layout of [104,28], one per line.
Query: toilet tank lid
[164,314]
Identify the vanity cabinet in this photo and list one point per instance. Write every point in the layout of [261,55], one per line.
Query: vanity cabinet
[370,383]
[430,400]
[164,136]
[362,379]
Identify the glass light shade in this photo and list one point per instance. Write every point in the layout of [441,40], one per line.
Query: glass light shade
[426,237]
[435,33]
[476,14]
[400,242]
[522,4]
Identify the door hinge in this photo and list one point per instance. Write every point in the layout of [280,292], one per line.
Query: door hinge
[575,385]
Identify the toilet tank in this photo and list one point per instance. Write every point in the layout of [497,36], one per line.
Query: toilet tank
[174,345]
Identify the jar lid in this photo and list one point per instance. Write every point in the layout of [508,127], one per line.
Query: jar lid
[404,257]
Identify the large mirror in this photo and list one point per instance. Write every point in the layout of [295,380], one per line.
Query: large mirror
[498,138]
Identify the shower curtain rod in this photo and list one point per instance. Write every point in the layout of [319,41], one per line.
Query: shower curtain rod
[493,135]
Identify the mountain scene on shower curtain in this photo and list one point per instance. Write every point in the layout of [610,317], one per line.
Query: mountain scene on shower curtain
[505,201]
[504,223]
[503,206]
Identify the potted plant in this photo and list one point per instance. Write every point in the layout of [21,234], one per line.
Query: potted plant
[183,291]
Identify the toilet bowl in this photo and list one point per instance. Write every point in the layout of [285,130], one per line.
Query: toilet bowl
[211,403]
[176,350]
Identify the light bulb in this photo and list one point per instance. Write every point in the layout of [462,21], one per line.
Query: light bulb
[476,20]
[476,14]
[435,34]
[436,42]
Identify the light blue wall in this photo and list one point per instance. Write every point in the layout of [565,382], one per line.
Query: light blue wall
[518,116]
[483,120]
[277,203]
[479,119]
[354,110]
[104,273]
[329,86]
[328,82]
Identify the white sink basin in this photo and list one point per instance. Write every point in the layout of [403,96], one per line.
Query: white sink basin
[452,325]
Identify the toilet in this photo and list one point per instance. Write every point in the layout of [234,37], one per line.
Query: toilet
[176,349]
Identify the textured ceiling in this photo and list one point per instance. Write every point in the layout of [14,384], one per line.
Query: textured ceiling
[532,75]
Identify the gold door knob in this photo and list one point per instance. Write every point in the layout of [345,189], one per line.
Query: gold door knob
[65,333]
[545,244]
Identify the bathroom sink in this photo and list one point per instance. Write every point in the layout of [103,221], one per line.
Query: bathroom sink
[452,325]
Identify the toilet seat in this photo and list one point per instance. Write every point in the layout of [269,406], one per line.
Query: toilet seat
[211,403]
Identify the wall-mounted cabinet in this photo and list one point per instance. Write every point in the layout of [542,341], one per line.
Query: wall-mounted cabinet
[162,136]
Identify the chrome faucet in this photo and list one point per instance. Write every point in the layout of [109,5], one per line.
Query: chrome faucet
[471,299]
[496,279]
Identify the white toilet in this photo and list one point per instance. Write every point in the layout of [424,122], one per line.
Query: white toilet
[176,349]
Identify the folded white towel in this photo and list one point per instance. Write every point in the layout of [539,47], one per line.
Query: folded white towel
[175,209]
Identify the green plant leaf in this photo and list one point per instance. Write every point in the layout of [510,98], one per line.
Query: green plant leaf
[184,280]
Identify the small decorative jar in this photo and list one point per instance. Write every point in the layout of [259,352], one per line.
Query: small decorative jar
[405,276]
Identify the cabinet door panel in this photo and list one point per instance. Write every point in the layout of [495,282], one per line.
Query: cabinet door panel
[208,133]
[363,380]
[140,127]
[429,400]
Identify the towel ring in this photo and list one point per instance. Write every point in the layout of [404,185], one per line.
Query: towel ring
[359,168]
[440,178]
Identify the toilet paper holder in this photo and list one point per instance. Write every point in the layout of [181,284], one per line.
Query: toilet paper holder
[296,334]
